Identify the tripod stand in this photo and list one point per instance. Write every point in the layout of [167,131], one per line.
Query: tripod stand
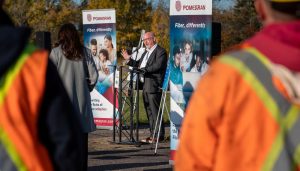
[126,95]
[162,106]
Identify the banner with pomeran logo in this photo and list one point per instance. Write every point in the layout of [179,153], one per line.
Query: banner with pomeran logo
[190,51]
[99,35]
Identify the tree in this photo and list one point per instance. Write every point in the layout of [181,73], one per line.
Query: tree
[18,11]
[224,17]
[132,16]
[42,15]
[238,23]
[50,15]
[160,24]
[242,23]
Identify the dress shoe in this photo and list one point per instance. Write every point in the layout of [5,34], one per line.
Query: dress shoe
[149,140]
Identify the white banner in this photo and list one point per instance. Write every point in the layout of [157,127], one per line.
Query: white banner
[99,35]
[188,7]
[99,16]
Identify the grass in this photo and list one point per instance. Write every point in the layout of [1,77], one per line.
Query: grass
[142,113]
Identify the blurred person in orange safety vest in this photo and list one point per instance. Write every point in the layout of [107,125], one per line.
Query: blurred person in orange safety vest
[244,114]
[38,126]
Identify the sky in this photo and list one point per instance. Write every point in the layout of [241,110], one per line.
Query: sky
[224,4]
[220,4]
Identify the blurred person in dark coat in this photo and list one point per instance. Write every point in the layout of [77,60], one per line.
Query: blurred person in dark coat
[38,128]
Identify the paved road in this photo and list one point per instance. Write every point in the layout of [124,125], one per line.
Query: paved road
[106,155]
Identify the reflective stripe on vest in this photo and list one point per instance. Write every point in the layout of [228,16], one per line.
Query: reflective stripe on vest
[6,162]
[21,90]
[254,68]
[10,159]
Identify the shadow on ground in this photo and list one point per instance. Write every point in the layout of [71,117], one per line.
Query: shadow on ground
[105,155]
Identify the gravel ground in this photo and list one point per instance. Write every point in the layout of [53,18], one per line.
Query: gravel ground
[104,154]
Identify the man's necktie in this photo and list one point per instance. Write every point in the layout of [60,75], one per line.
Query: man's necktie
[143,64]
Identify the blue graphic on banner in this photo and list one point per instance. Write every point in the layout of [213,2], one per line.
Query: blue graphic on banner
[167,76]
[190,39]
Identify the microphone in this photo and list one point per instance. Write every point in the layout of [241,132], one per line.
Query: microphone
[139,46]
[136,49]
[141,38]
[140,42]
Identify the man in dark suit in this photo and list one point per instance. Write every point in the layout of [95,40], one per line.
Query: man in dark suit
[153,63]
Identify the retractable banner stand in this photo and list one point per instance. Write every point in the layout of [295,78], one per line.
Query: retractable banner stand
[190,51]
[99,35]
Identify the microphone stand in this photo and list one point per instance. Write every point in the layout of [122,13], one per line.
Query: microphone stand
[138,47]
[135,105]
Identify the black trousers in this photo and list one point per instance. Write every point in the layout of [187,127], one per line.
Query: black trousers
[84,149]
[151,103]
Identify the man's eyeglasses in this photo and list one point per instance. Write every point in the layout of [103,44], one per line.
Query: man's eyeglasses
[146,39]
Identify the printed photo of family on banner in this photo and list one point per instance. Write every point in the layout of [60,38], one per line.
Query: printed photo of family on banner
[99,33]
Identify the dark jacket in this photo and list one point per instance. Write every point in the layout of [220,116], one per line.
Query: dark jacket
[154,70]
[57,126]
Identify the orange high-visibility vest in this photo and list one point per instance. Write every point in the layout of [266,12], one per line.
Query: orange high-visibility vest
[239,120]
[21,92]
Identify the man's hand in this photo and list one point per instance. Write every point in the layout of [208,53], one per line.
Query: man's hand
[125,54]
